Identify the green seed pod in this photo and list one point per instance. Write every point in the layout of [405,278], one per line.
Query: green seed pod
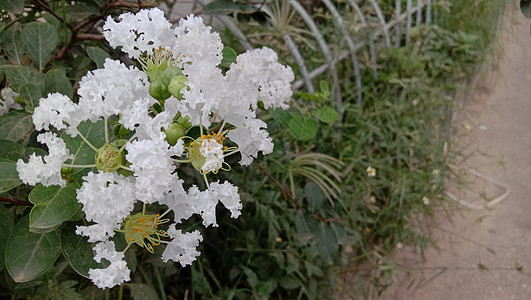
[174,133]
[109,158]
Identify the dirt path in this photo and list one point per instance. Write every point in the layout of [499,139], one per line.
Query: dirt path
[480,251]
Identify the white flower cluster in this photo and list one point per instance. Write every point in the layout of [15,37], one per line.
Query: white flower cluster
[207,96]
[8,96]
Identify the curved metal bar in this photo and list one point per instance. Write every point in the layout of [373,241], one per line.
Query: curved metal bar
[326,52]
[350,44]
[428,13]
[232,27]
[380,16]
[409,17]
[398,11]
[300,63]
[419,12]
[372,48]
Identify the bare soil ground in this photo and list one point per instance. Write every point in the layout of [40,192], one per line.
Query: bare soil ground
[482,250]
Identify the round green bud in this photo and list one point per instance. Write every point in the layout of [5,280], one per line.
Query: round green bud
[174,133]
[109,158]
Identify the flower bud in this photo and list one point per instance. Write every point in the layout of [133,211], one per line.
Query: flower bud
[109,158]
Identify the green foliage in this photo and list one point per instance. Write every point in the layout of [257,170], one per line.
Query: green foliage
[525,6]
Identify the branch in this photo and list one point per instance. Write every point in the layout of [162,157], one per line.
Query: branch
[15,201]
[284,191]
[90,36]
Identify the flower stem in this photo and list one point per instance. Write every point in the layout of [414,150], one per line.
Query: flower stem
[128,141]
[120,291]
[181,160]
[167,211]
[126,168]
[87,142]
[206,180]
[106,127]
[79,166]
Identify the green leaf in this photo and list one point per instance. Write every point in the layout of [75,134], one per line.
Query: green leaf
[12,6]
[229,57]
[39,39]
[2,26]
[326,114]
[97,55]
[222,7]
[309,97]
[525,7]
[302,128]
[28,254]
[57,82]
[19,75]
[142,291]
[314,195]
[78,252]
[282,116]
[7,224]
[326,243]
[31,94]
[324,88]
[11,150]
[53,206]
[8,175]
[83,153]
[15,125]
[12,45]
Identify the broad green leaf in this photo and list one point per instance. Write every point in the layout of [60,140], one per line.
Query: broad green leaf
[8,175]
[282,116]
[7,224]
[525,6]
[326,114]
[229,57]
[28,254]
[142,291]
[78,252]
[15,125]
[39,39]
[19,75]
[303,230]
[12,45]
[11,150]
[53,206]
[83,153]
[326,243]
[222,7]
[314,195]
[302,128]
[324,87]
[12,6]
[31,94]
[97,55]
[56,81]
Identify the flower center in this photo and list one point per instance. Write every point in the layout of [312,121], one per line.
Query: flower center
[109,158]
[140,228]
[206,153]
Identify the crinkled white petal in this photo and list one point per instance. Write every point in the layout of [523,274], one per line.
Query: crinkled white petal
[183,247]
[55,110]
[107,199]
[212,151]
[251,139]
[178,201]
[116,273]
[111,90]
[9,96]
[140,32]
[47,169]
[153,166]
[227,193]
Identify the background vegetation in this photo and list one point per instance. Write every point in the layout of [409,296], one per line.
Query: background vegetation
[310,208]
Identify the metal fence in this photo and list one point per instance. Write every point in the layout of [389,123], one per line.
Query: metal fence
[386,32]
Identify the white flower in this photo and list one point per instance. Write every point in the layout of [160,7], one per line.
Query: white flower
[212,150]
[371,171]
[251,139]
[54,110]
[107,199]
[426,200]
[47,169]
[9,96]
[116,273]
[153,166]
[182,248]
